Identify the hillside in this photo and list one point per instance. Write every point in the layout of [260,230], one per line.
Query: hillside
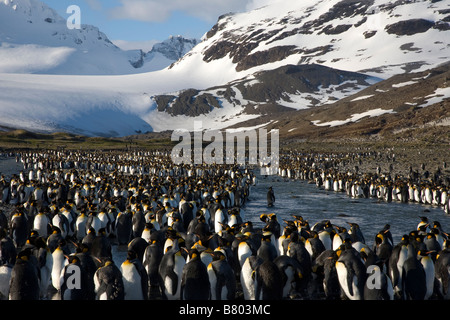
[309,57]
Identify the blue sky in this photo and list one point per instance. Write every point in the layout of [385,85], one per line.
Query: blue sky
[134,24]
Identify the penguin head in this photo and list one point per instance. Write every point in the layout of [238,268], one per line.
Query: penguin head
[73,259]
[266,237]
[379,238]
[131,255]
[193,254]
[24,254]
[218,255]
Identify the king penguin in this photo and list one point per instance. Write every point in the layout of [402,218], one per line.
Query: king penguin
[80,226]
[396,261]
[135,278]
[248,277]
[124,227]
[291,274]
[74,280]
[268,282]
[19,229]
[442,268]
[170,271]
[59,261]
[194,279]
[351,274]
[8,251]
[5,279]
[429,268]
[101,246]
[109,282]
[267,250]
[152,258]
[24,284]
[414,278]
[221,278]
[378,285]
[41,224]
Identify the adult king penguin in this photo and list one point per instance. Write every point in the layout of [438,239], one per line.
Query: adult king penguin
[352,275]
[24,283]
[108,282]
[135,278]
[74,280]
[170,271]
[221,278]
[194,279]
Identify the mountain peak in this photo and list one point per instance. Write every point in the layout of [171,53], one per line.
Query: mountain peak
[175,47]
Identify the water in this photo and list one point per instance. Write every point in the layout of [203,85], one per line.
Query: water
[294,197]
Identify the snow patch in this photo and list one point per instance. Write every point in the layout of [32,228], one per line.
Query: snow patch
[354,118]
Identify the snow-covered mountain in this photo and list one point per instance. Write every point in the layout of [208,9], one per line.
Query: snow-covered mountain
[35,39]
[370,39]
[167,52]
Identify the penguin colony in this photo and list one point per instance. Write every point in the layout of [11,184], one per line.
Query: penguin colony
[186,238]
[331,172]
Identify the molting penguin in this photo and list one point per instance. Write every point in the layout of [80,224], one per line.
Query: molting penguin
[109,282]
[24,283]
[135,278]
[268,282]
[194,279]
[221,278]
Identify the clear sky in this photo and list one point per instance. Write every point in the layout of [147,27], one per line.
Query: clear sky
[137,24]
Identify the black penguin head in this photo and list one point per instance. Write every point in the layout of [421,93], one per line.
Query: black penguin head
[24,254]
[218,255]
[131,255]
[193,254]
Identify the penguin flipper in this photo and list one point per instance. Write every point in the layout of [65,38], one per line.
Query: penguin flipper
[350,276]
[174,281]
